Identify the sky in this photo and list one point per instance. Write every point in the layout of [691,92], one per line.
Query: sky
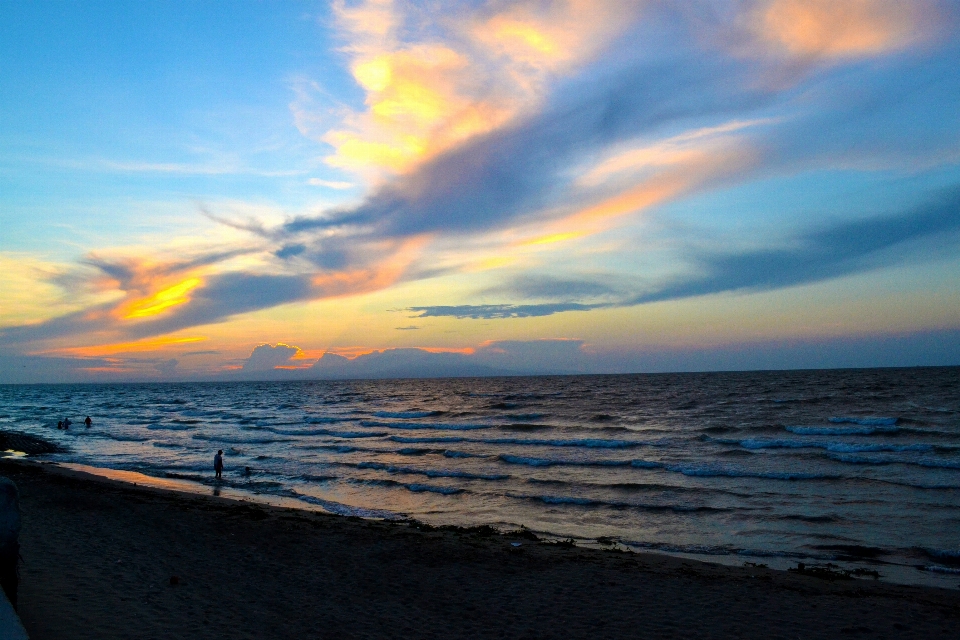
[364,188]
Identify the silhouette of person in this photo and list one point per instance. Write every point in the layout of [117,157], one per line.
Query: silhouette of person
[88,422]
[66,423]
[218,463]
[60,424]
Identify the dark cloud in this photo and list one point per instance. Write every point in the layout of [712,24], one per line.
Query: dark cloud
[837,250]
[829,252]
[499,311]
[289,251]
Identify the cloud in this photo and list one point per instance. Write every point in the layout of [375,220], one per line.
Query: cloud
[435,77]
[290,251]
[507,357]
[499,311]
[509,121]
[267,357]
[167,368]
[848,29]
[820,254]
[330,184]
[829,252]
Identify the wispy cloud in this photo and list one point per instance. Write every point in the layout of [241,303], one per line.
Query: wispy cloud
[500,311]
[820,254]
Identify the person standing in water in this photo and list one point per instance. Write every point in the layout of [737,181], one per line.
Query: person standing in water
[88,422]
[218,463]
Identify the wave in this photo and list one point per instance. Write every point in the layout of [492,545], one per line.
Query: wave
[944,556]
[525,427]
[930,463]
[708,470]
[443,426]
[697,470]
[234,440]
[410,440]
[867,422]
[417,451]
[346,510]
[592,502]
[406,414]
[593,443]
[324,432]
[549,462]
[937,464]
[806,518]
[839,447]
[119,437]
[525,416]
[323,420]
[426,487]
[939,569]
[842,431]
[171,427]
[430,473]
[461,454]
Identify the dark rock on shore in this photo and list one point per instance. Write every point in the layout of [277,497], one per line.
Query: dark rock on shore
[30,445]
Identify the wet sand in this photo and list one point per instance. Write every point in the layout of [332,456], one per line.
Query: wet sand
[98,557]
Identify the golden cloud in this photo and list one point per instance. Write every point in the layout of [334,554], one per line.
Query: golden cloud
[471,75]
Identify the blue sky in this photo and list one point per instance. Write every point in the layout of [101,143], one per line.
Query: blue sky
[615,185]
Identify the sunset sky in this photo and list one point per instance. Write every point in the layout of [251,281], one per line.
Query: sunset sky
[596,186]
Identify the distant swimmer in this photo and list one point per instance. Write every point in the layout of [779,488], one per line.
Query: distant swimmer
[218,463]
[247,471]
[88,422]
[66,423]
[60,424]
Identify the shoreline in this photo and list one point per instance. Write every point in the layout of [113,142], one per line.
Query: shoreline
[888,572]
[99,555]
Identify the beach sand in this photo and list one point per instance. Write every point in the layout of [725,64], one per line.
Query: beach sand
[98,557]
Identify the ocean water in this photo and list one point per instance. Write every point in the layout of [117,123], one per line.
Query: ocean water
[860,468]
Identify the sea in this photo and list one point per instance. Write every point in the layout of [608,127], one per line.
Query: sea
[844,469]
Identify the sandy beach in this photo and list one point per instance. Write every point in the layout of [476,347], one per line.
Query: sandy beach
[99,557]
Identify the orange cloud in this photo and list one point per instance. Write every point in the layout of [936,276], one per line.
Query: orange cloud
[102,350]
[464,350]
[691,171]
[399,256]
[351,352]
[844,28]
